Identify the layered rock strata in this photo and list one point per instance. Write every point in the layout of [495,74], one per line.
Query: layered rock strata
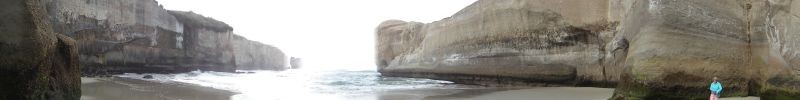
[42,61]
[36,62]
[139,36]
[497,41]
[648,49]
[207,43]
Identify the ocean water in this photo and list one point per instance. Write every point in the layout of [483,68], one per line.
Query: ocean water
[298,84]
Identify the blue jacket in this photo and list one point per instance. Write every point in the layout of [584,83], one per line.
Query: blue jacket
[716,87]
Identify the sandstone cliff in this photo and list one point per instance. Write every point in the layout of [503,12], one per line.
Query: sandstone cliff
[511,40]
[42,61]
[295,62]
[646,48]
[120,35]
[207,43]
[36,63]
[139,36]
[252,55]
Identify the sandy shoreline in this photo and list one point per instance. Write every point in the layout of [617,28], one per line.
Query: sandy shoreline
[530,93]
[540,93]
[115,88]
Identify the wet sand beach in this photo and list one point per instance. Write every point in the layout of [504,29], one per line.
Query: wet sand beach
[533,93]
[522,93]
[114,88]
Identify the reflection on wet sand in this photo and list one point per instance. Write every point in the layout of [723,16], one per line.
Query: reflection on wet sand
[131,89]
[499,93]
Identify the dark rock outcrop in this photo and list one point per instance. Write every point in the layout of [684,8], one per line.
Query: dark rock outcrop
[36,63]
[148,77]
[648,49]
[139,36]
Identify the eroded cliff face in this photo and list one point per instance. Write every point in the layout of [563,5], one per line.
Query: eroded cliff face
[252,55]
[36,63]
[519,41]
[647,48]
[139,36]
[207,43]
[675,45]
[118,36]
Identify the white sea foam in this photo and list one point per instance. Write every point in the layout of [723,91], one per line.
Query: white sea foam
[297,84]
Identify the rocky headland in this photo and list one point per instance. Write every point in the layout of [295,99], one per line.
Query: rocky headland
[47,45]
[140,36]
[647,49]
[252,55]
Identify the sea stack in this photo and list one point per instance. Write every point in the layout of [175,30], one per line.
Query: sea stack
[668,49]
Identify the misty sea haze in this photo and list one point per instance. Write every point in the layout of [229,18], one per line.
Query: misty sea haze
[299,84]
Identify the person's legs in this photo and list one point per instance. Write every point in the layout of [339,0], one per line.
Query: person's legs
[712,97]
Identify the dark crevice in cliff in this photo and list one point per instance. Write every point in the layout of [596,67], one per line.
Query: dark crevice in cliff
[751,87]
[490,80]
[536,39]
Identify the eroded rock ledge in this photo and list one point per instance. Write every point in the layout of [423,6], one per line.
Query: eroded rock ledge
[647,49]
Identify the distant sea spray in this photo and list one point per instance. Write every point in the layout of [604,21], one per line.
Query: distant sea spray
[296,83]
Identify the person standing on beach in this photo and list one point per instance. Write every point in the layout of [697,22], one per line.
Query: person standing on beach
[715,88]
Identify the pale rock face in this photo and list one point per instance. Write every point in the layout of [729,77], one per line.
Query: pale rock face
[685,43]
[139,36]
[649,48]
[252,55]
[74,15]
[295,62]
[395,38]
[522,39]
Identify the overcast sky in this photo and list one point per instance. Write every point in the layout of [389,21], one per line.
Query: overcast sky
[326,33]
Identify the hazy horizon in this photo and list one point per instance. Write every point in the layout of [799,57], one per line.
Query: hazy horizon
[341,34]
